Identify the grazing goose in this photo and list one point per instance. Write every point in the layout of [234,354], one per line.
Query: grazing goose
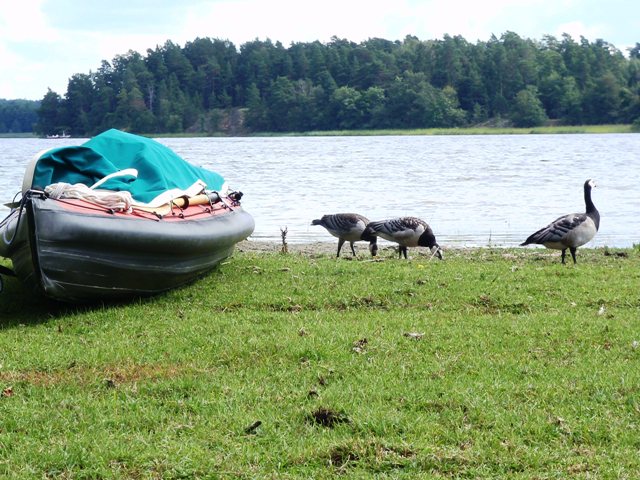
[348,227]
[570,231]
[406,232]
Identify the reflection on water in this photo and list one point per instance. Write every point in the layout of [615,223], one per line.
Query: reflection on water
[473,190]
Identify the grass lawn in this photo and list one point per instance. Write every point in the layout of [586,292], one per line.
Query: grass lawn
[490,364]
[558,129]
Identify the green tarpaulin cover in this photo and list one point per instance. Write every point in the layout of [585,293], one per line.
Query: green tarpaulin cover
[159,168]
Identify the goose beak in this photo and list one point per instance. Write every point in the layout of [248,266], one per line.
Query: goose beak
[437,252]
[373,248]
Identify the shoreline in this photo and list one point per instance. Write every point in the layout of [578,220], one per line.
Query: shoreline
[468,130]
[322,248]
[314,248]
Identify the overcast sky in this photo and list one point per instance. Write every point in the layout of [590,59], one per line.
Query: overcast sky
[44,42]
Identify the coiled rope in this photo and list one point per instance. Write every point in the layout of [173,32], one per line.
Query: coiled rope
[116,201]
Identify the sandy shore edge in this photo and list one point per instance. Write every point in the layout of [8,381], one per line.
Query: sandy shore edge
[315,248]
[330,248]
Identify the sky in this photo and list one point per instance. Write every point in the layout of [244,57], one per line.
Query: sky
[45,42]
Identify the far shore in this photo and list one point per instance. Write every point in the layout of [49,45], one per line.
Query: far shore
[477,130]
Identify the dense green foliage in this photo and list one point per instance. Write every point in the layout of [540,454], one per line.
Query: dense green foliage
[18,116]
[210,86]
[490,364]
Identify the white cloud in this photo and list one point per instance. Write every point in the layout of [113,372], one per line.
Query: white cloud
[43,43]
[21,25]
[25,22]
[356,20]
[577,29]
[287,20]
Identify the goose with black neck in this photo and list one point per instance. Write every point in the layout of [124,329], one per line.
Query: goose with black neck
[570,231]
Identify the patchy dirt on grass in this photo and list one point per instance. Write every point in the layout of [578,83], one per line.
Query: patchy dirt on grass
[111,376]
[328,417]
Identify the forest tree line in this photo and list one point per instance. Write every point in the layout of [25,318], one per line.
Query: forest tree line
[18,116]
[211,86]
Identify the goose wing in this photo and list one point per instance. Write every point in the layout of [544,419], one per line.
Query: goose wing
[345,225]
[400,230]
[352,223]
[557,230]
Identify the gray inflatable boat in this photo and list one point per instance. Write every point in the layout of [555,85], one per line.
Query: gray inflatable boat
[73,250]
[74,247]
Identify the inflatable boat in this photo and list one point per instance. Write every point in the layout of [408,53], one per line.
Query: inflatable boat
[117,217]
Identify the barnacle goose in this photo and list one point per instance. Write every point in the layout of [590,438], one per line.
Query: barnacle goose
[406,232]
[348,227]
[570,231]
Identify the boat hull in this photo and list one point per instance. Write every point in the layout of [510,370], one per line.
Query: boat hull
[73,252]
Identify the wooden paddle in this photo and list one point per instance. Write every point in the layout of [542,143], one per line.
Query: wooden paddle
[181,203]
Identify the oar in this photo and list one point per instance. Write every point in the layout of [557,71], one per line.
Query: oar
[182,202]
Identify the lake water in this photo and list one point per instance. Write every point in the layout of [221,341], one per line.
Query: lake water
[473,190]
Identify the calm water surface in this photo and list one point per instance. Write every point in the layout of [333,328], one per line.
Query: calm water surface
[473,190]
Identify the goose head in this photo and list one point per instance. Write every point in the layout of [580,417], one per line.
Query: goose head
[592,211]
[436,251]
[369,236]
[373,248]
[428,239]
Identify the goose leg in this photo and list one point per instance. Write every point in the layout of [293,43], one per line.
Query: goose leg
[404,251]
[573,254]
[564,251]
[353,250]
[340,243]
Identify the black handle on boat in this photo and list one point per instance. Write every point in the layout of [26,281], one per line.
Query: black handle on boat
[236,196]
[214,197]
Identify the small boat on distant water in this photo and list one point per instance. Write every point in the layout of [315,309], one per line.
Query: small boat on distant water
[156,222]
[64,134]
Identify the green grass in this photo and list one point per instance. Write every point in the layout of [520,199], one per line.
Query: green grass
[480,131]
[490,364]
[569,129]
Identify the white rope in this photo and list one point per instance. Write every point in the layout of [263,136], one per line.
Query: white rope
[127,172]
[118,201]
